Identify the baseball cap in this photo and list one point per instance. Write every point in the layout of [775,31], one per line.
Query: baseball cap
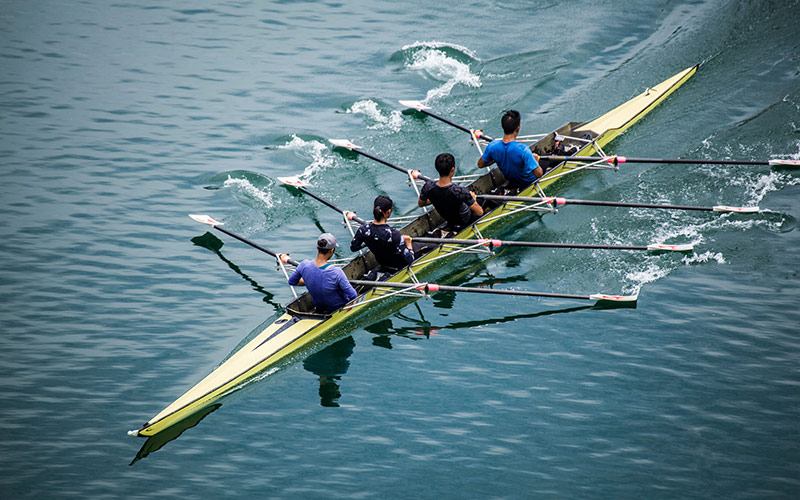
[326,241]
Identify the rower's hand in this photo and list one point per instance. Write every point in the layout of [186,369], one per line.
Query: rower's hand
[407,240]
[536,157]
[474,196]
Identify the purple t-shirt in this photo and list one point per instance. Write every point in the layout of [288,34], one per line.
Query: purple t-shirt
[328,286]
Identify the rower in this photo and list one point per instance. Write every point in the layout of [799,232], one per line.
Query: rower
[327,284]
[455,203]
[518,164]
[392,250]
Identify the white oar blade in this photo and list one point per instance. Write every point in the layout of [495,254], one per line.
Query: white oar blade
[293,181]
[344,143]
[206,219]
[671,248]
[414,104]
[614,298]
[786,163]
[741,210]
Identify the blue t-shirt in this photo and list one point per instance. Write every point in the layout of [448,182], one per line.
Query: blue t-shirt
[514,159]
[328,286]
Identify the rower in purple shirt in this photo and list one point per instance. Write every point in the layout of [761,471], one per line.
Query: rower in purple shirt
[327,284]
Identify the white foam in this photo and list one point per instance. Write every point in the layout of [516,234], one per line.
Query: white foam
[251,191]
[317,151]
[707,256]
[393,121]
[652,272]
[439,66]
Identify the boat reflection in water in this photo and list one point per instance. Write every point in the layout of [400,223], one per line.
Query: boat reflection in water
[329,364]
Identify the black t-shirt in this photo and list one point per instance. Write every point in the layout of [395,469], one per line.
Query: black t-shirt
[385,242]
[452,202]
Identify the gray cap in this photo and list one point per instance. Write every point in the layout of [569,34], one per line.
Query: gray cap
[326,241]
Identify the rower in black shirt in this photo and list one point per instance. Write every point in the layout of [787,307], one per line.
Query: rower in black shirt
[456,204]
[391,249]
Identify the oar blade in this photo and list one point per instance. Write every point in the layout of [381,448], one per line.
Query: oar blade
[784,163]
[740,210]
[344,143]
[206,219]
[414,105]
[293,181]
[603,297]
[688,247]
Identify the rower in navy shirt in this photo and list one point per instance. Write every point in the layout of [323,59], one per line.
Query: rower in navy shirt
[391,249]
[456,204]
[327,284]
[514,159]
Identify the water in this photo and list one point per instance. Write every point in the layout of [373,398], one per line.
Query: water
[120,119]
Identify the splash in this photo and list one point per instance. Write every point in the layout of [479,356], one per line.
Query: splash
[702,258]
[442,62]
[252,192]
[316,151]
[393,121]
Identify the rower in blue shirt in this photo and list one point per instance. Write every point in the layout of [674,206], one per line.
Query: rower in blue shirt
[518,164]
[327,284]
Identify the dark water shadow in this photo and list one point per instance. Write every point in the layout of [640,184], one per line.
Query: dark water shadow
[211,242]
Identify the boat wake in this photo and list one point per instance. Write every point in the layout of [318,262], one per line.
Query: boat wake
[441,62]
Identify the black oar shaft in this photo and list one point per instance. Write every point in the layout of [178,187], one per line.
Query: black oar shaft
[679,161]
[532,199]
[453,124]
[254,245]
[445,288]
[530,244]
[391,165]
[328,203]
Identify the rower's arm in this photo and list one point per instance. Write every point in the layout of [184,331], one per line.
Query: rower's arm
[475,207]
[483,164]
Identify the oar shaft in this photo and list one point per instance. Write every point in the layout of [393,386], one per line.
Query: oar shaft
[530,244]
[254,245]
[391,165]
[532,199]
[453,124]
[445,288]
[329,204]
[679,161]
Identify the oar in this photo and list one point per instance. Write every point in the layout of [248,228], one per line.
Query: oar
[432,287]
[492,243]
[478,134]
[301,185]
[475,135]
[344,143]
[615,160]
[564,201]
[206,219]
